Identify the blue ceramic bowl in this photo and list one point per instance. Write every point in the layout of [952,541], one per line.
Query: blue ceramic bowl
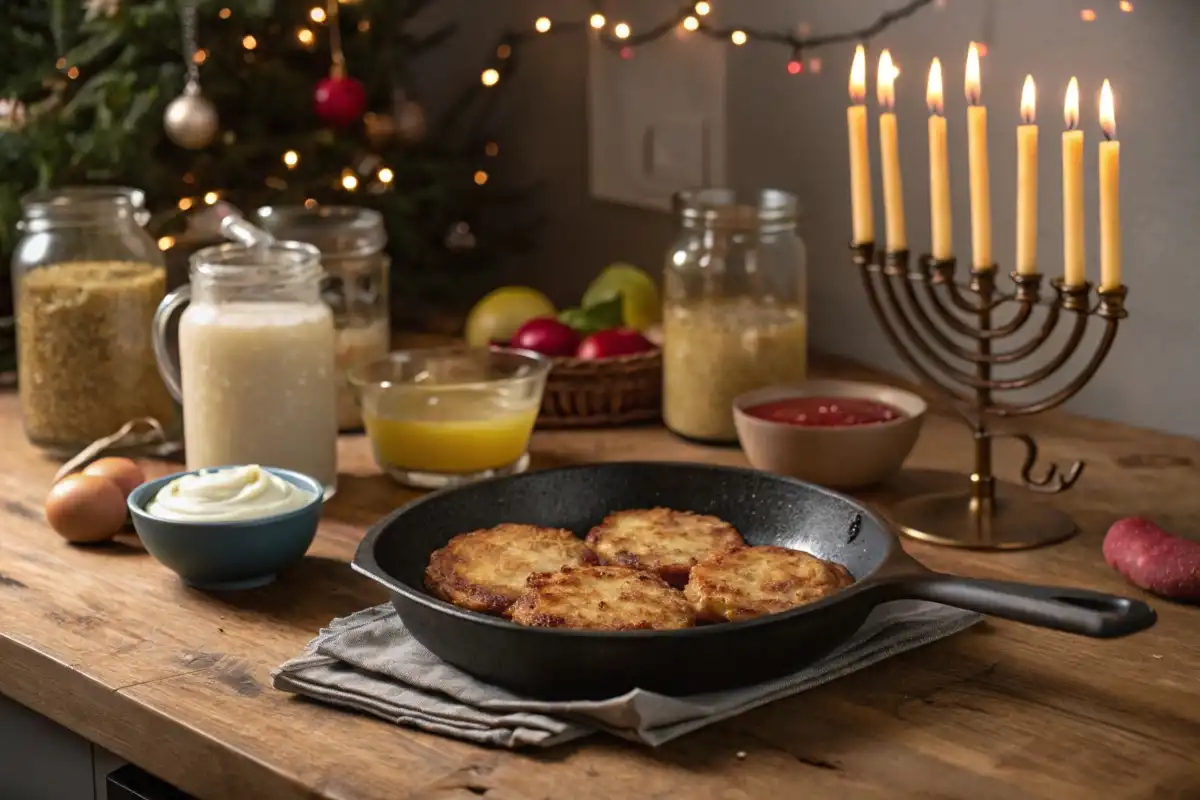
[227,556]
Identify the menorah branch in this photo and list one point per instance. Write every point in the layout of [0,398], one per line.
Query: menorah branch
[912,321]
[1027,299]
[1067,392]
[864,258]
[982,285]
[935,273]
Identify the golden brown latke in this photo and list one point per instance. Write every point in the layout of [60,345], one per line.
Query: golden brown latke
[487,570]
[602,598]
[662,540]
[753,581]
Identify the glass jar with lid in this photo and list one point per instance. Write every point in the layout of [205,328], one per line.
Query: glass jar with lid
[734,307]
[100,192]
[351,241]
[87,279]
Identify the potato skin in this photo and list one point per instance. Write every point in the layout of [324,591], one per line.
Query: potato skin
[1154,560]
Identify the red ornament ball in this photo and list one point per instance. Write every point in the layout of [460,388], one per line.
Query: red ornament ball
[339,101]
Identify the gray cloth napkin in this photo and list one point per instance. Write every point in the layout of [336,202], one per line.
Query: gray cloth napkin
[369,662]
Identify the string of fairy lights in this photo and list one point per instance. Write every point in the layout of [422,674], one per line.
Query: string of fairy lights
[695,18]
[692,17]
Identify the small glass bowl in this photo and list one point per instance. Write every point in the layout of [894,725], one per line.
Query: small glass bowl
[447,416]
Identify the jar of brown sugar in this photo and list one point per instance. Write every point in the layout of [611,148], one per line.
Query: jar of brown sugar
[87,279]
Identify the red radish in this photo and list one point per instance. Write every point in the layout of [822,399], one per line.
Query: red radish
[1153,559]
[547,336]
[614,342]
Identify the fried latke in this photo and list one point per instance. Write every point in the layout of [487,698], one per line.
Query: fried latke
[753,581]
[602,598]
[487,570]
[662,540]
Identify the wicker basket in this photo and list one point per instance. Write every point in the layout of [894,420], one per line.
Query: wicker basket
[583,393]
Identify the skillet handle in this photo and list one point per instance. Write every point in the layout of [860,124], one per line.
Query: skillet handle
[1095,614]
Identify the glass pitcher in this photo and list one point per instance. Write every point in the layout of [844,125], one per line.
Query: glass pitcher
[734,307]
[256,373]
[86,281]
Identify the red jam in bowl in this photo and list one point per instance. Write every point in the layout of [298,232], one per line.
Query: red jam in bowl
[825,412]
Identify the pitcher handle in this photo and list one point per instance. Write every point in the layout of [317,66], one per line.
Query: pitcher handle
[168,368]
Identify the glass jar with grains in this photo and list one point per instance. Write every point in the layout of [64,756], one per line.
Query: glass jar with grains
[351,241]
[86,281]
[734,308]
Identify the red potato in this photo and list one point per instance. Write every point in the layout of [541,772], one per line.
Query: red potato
[546,335]
[1153,559]
[613,342]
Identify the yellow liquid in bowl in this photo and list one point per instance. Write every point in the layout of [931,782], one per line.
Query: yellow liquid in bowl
[448,431]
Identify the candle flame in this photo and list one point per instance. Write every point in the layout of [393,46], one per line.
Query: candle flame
[972,84]
[933,91]
[885,88]
[1108,113]
[1028,101]
[858,76]
[1071,105]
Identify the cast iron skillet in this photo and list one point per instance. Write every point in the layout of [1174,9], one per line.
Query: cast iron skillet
[551,664]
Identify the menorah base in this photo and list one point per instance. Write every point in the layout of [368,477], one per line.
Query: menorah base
[951,519]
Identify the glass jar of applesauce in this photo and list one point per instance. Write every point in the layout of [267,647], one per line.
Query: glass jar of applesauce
[734,307]
[351,241]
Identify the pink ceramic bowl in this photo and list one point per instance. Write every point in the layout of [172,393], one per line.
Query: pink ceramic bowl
[842,457]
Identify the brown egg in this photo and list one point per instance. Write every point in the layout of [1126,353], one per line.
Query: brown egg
[121,471]
[85,508]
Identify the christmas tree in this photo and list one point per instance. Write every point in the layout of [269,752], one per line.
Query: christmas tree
[318,101]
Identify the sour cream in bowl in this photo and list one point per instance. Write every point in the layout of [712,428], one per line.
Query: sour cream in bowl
[233,494]
[228,528]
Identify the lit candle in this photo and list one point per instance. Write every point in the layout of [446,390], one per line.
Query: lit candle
[1027,178]
[981,200]
[939,168]
[889,155]
[1072,174]
[1110,194]
[860,159]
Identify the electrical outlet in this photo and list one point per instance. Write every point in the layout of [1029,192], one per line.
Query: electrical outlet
[656,119]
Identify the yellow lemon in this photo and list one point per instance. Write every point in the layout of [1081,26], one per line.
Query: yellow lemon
[498,315]
[641,304]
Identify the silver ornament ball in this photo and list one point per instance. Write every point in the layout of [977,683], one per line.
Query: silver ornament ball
[190,120]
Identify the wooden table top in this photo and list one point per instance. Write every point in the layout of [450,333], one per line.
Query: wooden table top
[111,645]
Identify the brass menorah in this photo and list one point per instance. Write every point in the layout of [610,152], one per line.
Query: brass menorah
[923,310]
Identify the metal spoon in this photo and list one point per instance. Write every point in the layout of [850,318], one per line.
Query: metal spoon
[238,229]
